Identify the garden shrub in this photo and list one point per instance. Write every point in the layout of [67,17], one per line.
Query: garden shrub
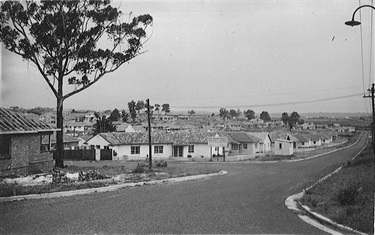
[347,195]
[139,169]
[162,164]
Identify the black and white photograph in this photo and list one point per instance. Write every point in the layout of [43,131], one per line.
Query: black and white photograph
[187,117]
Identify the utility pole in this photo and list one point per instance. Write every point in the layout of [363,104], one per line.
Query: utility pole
[372,90]
[149,134]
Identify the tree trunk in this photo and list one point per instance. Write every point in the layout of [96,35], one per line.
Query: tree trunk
[59,161]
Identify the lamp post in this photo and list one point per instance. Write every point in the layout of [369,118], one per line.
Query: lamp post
[372,89]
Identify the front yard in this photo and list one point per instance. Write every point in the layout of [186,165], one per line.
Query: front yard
[86,174]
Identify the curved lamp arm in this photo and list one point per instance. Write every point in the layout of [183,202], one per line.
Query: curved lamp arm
[353,22]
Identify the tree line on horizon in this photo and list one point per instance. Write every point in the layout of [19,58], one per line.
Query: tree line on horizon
[291,120]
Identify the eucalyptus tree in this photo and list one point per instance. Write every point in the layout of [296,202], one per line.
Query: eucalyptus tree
[265,116]
[71,43]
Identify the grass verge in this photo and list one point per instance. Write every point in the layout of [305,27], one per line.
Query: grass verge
[347,197]
[116,172]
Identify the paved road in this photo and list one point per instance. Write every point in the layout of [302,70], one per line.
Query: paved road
[249,199]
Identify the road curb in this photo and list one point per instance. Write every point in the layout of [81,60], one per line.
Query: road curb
[316,219]
[107,188]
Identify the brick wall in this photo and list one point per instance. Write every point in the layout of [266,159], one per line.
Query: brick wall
[26,156]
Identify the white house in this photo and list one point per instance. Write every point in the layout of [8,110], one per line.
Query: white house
[265,140]
[307,126]
[78,128]
[283,147]
[240,143]
[135,146]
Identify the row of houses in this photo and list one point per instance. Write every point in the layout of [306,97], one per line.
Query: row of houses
[26,144]
[183,144]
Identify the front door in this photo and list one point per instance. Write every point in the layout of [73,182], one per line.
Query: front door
[178,151]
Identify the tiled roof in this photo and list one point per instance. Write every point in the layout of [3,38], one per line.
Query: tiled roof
[175,138]
[230,138]
[260,135]
[302,138]
[243,137]
[13,123]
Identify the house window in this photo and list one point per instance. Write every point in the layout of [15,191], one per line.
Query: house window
[256,145]
[158,149]
[191,149]
[4,146]
[45,143]
[134,150]
[280,146]
[235,146]
[106,147]
[244,146]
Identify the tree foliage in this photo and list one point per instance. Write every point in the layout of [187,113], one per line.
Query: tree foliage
[249,114]
[103,125]
[232,113]
[285,117]
[71,43]
[132,110]
[290,120]
[115,115]
[265,116]
[157,107]
[224,113]
[166,108]
[124,115]
[62,38]
[140,105]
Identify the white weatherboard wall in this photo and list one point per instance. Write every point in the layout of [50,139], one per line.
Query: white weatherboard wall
[98,140]
[283,147]
[124,152]
[199,151]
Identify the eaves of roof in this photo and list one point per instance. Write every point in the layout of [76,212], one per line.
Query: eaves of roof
[15,123]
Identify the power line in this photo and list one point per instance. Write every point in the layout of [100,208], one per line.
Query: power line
[272,104]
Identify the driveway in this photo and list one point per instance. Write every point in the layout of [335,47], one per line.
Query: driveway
[249,199]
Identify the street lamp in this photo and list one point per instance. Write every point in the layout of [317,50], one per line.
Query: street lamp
[353,22]
[372,89]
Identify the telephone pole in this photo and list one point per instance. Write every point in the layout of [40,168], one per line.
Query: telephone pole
[372,90]
[149,134]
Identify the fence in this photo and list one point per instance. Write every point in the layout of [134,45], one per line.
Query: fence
[85,154]
[78,154]
[105,154]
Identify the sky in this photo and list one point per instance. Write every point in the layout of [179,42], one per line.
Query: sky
[274,56]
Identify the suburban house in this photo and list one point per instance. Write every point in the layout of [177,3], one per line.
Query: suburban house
[78,128]
[283,147]
[325,139]
[308,126]
[134,146]
[304,141]
[233,126]
[241,143]
[21,144]
[295,141]
[265,141]
[49,118]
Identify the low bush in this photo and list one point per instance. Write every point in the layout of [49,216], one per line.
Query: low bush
[162,164]
[347,195]
[139,169]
